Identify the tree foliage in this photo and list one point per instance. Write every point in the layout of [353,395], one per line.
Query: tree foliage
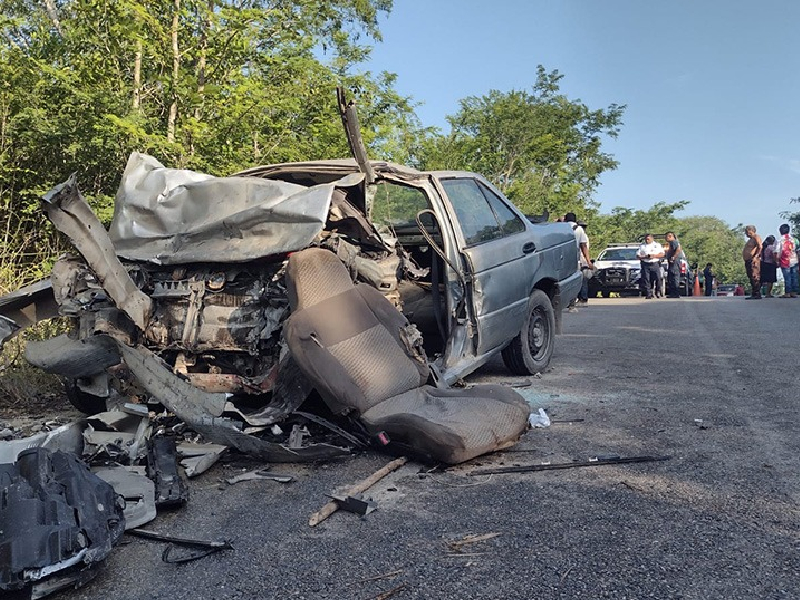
[540,148]
[212,85]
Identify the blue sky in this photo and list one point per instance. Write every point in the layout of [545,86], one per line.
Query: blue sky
[711,87]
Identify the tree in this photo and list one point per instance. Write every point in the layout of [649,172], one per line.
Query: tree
[212,85]
[793,217]
[709,239]
[628,225]
[539,147]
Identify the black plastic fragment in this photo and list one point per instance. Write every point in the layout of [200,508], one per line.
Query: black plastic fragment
[58,522]
[592,462]
[195,549]
[162,468]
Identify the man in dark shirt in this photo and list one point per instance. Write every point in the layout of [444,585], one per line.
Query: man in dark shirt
[673,254]
[708,277]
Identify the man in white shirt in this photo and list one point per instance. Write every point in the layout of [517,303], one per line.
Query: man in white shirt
[650,254]
[584,262]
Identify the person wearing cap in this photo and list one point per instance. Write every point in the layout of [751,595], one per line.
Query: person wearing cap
[650,254]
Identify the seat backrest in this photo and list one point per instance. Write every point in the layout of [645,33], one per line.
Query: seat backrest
[348,339]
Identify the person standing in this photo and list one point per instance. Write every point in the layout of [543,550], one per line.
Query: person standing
[751,253]
[650,254]
[708,279]
[584,262]
[769,265]
[673,254]
[785,251]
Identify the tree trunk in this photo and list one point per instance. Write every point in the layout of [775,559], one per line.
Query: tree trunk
[52,14]
[176,63]
[137,76]
[201,63]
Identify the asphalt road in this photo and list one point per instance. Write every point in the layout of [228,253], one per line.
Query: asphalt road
[718,520]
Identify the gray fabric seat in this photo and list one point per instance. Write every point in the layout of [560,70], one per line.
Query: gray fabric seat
[360,352]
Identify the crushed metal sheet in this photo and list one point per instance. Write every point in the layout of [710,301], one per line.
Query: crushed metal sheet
[71,214]
[137,490]
[173,216]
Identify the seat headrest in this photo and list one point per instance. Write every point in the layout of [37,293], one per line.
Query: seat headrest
[314,275]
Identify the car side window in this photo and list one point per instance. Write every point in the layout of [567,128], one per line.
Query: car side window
[395,206]
[475,215]
[509,222]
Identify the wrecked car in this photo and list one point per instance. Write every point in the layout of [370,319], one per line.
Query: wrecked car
[186,298]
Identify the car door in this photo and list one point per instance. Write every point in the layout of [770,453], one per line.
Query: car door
[500,252]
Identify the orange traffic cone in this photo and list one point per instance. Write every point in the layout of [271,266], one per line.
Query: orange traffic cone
[696,290]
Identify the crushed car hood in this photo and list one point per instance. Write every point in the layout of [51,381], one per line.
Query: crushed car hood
[173,216]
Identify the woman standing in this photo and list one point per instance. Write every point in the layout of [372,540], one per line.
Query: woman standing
[769,266]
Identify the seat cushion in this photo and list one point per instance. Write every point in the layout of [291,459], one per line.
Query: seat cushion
[451,425]
[348,339]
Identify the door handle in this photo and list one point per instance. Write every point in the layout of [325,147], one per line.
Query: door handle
[528,247]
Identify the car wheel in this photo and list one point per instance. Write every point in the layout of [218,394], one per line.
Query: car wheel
[606,294]
[86,403]
[530,351]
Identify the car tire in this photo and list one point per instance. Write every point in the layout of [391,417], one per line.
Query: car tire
[530,351]
[606,294]
[86,403]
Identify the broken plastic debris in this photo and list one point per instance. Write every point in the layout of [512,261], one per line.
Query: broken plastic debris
[138,492]
[539,420]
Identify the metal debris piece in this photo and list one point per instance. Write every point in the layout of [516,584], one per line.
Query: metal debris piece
[595,462]
[162,468]
[297,436]
[25,307]
[355,504]
[138,492]
[67,438]
[139,410]
[331,507]
[70,213]
[197,548]
[199,464]
[259,475]
[331,427]
[199,458]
